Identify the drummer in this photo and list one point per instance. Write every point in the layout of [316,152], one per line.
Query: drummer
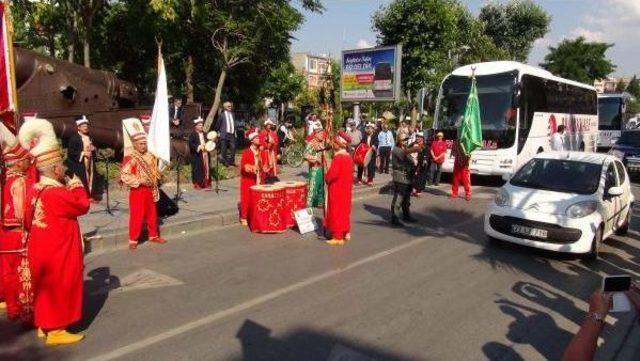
[269,150]
[371,140]
[250,173]
[199,156]
[314,154]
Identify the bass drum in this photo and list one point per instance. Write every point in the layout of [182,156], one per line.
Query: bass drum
[362,155]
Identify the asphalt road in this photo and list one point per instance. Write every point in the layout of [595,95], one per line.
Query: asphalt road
[433,291]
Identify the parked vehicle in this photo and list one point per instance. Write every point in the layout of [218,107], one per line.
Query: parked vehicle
[563,202]
[627,150]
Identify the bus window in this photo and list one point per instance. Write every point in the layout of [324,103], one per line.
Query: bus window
[609,113]
[533,100]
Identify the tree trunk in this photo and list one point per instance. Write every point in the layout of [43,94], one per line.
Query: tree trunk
[87,52]
[216,101]
[189,80]
[71,48]
[51,44]
[71,53]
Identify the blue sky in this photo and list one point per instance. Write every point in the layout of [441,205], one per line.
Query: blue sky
[346,24]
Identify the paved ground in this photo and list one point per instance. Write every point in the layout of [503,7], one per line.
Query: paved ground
[435,291]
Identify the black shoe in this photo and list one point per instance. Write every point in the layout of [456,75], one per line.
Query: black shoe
[409,219]
[395,222]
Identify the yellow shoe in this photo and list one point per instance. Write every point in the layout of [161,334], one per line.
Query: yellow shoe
[3,305]
[244,222]
[41,333]
[62,337]
[335,242]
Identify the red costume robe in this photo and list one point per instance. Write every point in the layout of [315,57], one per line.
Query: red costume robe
[247,179]
[14,197]
[339,178]
[269,153]
[461,174]
[140,173]
[55,252]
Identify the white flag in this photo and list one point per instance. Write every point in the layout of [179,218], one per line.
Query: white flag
[159,138]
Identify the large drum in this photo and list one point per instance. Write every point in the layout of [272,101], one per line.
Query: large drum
[268,209]
[296,199]
[362,155]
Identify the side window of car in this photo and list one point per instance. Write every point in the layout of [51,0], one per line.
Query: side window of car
[611,180]
[621,173]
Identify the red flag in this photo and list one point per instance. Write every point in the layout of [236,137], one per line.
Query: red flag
[8,96]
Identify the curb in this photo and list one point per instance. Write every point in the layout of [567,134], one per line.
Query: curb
[118,239]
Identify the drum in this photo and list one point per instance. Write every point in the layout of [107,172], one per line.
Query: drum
[268,209]
[296,199]
[362,154]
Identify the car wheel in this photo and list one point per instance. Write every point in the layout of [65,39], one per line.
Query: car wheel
[624,229]
[594,253]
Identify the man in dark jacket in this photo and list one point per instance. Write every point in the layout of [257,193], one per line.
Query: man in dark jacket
[403,170]
[199,156]
[227,134]
[81,156]
[176,112]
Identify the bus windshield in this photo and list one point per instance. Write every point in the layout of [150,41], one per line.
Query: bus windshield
[610,113]
[495,93]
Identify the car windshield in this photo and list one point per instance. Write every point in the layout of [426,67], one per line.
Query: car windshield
[559,175]
[609,113]
[629,138]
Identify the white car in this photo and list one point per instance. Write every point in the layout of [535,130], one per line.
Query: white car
[564,202]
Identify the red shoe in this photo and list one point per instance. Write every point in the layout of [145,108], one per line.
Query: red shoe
[369,184]
[159,240]
[358,182]
[133,245]
[467,197]
[452,197]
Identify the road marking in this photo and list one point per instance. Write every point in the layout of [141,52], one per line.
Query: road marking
[136,346]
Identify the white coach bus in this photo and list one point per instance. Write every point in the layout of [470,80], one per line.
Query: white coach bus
[521,107]
[612,116]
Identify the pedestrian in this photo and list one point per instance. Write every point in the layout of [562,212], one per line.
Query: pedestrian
[199,156]
[385,143]
[422,165]
[403,129]
[403,171]
[557,139]
[354,133]
[285,136]
[140,174]
[461,173]
[314,155]
[339,180]
[54,238]
[437,153]
[269,151]
[226,128]
[371,140]
[250,173]
[14,198]
[81,156]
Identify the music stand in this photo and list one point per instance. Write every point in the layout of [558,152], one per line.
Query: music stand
[178,197]
[217,189]
[105,155]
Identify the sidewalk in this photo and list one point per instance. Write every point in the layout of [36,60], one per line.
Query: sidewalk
[198,209]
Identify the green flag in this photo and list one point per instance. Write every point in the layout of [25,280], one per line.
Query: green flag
[470,132]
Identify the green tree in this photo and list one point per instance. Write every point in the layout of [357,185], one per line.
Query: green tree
[283,85]
[515,26]
[621,86]
[579,60]
[634,87]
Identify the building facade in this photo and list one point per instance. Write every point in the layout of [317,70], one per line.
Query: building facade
[609,84]
[315,68]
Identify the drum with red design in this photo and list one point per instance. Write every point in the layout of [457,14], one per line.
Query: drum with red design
[362,154]
[268,209]
[296,199]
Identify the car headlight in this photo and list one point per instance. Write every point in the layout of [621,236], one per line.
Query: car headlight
[502,198]
[581,209]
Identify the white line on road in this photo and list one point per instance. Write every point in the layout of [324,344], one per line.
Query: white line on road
[133,347]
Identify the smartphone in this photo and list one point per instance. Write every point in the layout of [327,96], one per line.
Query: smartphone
[616,286]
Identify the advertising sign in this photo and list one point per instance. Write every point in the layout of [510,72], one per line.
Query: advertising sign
[371,74]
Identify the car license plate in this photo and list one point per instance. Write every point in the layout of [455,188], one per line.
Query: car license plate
[528,231]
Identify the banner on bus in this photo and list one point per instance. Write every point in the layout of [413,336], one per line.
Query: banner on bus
[371,74]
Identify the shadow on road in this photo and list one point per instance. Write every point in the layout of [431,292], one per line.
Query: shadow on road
[304,344]
[16,344]
[96,292]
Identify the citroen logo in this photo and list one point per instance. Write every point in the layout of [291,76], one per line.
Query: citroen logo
[534,206]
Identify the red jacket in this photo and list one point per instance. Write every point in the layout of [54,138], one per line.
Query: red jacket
[438,147]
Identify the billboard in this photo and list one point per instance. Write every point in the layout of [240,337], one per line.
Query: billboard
[371,74]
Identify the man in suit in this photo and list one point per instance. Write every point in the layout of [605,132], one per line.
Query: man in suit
[81,156]
[176,112]
[226,129]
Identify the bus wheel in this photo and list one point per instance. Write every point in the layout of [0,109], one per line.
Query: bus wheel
[540,150]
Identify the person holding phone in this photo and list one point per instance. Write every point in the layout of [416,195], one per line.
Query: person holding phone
[583,345]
